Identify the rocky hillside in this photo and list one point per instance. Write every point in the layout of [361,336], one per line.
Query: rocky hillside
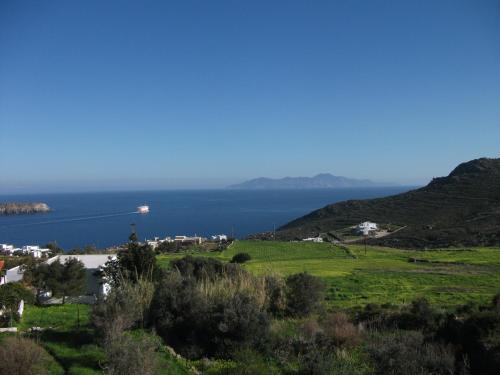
[462,209]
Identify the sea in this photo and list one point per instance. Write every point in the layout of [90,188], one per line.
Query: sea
[105,219]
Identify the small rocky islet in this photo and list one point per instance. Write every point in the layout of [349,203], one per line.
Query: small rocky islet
[19,208]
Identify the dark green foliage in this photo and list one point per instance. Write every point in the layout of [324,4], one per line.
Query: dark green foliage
[235,323]
[54,248]
[276,295]
[199,267]
[138,261]
[407,353]
[241,258]
[304,294]
[251,362]
[11,294]
[420,316]
[199,325]
[66,279]
[167,247]
[20,356]
[128,354]
[319,362]
[476,337]
[62,279]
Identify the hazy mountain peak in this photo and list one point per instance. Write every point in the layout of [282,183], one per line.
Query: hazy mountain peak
[320,181]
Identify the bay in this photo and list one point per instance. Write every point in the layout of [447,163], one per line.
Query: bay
[104,219]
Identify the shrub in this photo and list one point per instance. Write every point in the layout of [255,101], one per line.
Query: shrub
[11,294]
[304,294]
[339,362]
[137,262]
[129,355]
[249,362]
[339,331]
[275,289]
[241,258]
[127,305]
[199,267]
[406,352]
[19,356]
[210,317]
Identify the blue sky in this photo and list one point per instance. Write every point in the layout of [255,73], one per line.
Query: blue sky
[155,94]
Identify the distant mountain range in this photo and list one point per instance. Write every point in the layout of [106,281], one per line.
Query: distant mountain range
[461,209]
[320,181]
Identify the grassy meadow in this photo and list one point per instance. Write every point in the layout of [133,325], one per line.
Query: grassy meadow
[381,275]
[69,338]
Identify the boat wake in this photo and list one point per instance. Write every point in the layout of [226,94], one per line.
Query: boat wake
[68,220]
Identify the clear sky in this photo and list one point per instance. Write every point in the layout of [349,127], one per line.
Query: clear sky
[169,94]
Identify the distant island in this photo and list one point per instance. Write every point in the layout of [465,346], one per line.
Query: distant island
[17,208]
[320,181]
[461,209]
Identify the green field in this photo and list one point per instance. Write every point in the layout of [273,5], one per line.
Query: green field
[68,337]
[382,275]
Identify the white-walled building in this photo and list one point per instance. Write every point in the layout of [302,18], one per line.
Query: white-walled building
[157,240]
[184,239]
[6,249]
[96,285]
[313,239]
[366,227]
[219,237]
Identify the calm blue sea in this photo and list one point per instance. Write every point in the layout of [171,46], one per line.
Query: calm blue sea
[103,219]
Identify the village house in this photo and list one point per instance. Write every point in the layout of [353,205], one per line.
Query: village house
[366,228]
[313,239]
[185,239]
[157,241]
[219,237]
[96,286]
[6,249]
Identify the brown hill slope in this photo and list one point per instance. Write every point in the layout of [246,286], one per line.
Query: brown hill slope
[462,209]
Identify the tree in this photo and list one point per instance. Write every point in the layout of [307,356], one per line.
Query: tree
[62,279]
[128,354]
[304,294]
[137,262]
[241,258]
[36,274]
[11,295]
[19,356]
[73,278]
[54,248]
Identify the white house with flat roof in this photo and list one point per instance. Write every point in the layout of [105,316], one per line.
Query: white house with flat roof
[93,263]
[366,227]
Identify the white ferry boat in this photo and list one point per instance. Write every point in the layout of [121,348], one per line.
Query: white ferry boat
[143,209]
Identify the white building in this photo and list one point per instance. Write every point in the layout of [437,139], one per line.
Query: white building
[219,237]
[313,239]
[366,227]
[35,251]
[157,240]
[6,249]
[186,239]
[96,285]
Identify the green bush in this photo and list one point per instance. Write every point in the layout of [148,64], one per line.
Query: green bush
[304,294]
[209,317]
[241,258]
[406,352]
